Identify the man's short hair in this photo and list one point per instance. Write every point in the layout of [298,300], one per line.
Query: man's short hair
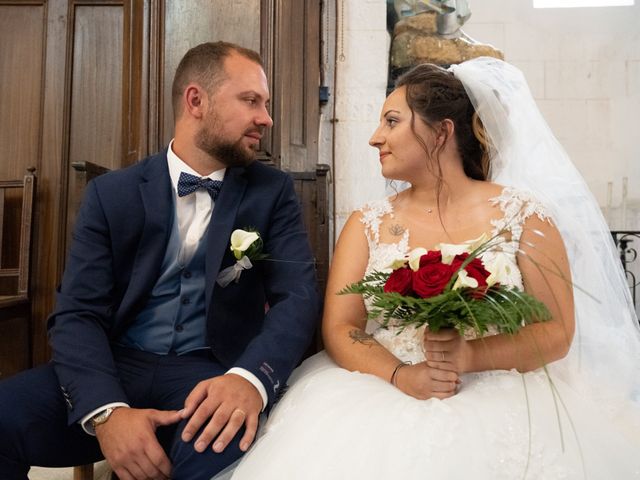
[204,64]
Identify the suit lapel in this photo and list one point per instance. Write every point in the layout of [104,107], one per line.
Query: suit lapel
[155,191]
[221,225]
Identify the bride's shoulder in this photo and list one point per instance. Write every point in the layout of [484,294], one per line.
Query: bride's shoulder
[371,215]
[517,203]
[375,209]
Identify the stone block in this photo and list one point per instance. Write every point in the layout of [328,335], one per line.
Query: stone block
[414,47]
[527,42]
[584,79]
[633,78]
[424,23]
[599,124]
[566,118]
[361,104]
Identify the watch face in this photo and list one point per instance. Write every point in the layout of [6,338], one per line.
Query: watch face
[102,417]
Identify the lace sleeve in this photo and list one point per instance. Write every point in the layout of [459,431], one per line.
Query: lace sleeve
[517,206]
[372,214]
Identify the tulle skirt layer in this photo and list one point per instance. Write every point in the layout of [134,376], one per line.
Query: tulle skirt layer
[336,424]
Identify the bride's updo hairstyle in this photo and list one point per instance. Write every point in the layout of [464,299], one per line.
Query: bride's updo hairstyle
[435,94]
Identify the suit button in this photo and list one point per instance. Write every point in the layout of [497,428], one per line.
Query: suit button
[179,328]
[185,301]
[186,274]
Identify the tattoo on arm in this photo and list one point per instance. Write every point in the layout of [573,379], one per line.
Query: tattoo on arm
[396,229]
[359,336]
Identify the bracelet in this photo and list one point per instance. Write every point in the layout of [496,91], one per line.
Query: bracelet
[395,372]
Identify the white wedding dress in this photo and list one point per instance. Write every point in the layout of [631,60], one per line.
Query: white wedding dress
[337,424]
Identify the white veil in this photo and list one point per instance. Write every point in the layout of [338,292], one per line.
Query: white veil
[604,359]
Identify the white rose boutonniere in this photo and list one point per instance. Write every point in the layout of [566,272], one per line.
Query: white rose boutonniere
[246,245]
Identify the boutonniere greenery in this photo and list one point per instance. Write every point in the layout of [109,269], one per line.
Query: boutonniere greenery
[246,246]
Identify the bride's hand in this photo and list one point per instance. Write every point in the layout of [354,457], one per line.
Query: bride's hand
[447,350]
[423,382]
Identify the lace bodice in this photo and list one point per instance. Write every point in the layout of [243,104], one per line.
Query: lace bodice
[515,206]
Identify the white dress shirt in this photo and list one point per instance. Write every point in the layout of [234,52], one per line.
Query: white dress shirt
[193,213]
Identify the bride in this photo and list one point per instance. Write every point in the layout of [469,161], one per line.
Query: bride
[559,399]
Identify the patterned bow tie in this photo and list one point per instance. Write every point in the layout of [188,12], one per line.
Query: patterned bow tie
[187,184]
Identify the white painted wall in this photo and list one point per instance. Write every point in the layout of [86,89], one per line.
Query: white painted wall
[363,49]
[583,66]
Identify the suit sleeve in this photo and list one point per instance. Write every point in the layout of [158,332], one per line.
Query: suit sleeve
[84,307]
[292,296]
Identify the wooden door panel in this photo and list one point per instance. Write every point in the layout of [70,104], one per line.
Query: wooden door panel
[296,84]
[94,104]
[96,72]
[191,22]
[22,27]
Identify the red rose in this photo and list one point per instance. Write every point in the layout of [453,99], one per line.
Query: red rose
[399,281]
[431,279]
[475,268]
[431,257]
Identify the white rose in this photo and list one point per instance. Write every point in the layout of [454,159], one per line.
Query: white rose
[414,257]
[241,240]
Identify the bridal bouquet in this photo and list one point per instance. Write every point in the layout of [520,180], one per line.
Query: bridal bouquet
[451,287]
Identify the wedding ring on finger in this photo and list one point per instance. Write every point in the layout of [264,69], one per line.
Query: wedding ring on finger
[242,412]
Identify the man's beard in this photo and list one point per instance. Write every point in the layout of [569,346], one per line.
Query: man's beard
[230,154]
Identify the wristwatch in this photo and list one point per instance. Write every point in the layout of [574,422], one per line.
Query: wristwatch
[101,417]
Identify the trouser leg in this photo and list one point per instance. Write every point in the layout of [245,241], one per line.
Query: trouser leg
[190,465]
[33,426]
[174,379]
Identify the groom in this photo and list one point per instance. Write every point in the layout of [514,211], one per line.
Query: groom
[156,366]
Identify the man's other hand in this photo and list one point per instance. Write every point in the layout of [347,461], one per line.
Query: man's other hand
[128,441]
[224,404]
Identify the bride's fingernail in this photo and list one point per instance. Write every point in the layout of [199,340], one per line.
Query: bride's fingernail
[217,447]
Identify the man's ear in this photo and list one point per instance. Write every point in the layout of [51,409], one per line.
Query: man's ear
[195,100]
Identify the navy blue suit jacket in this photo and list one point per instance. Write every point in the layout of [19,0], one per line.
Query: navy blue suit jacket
[119,242]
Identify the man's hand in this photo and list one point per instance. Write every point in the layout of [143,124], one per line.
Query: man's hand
[128,441]
[226,403]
